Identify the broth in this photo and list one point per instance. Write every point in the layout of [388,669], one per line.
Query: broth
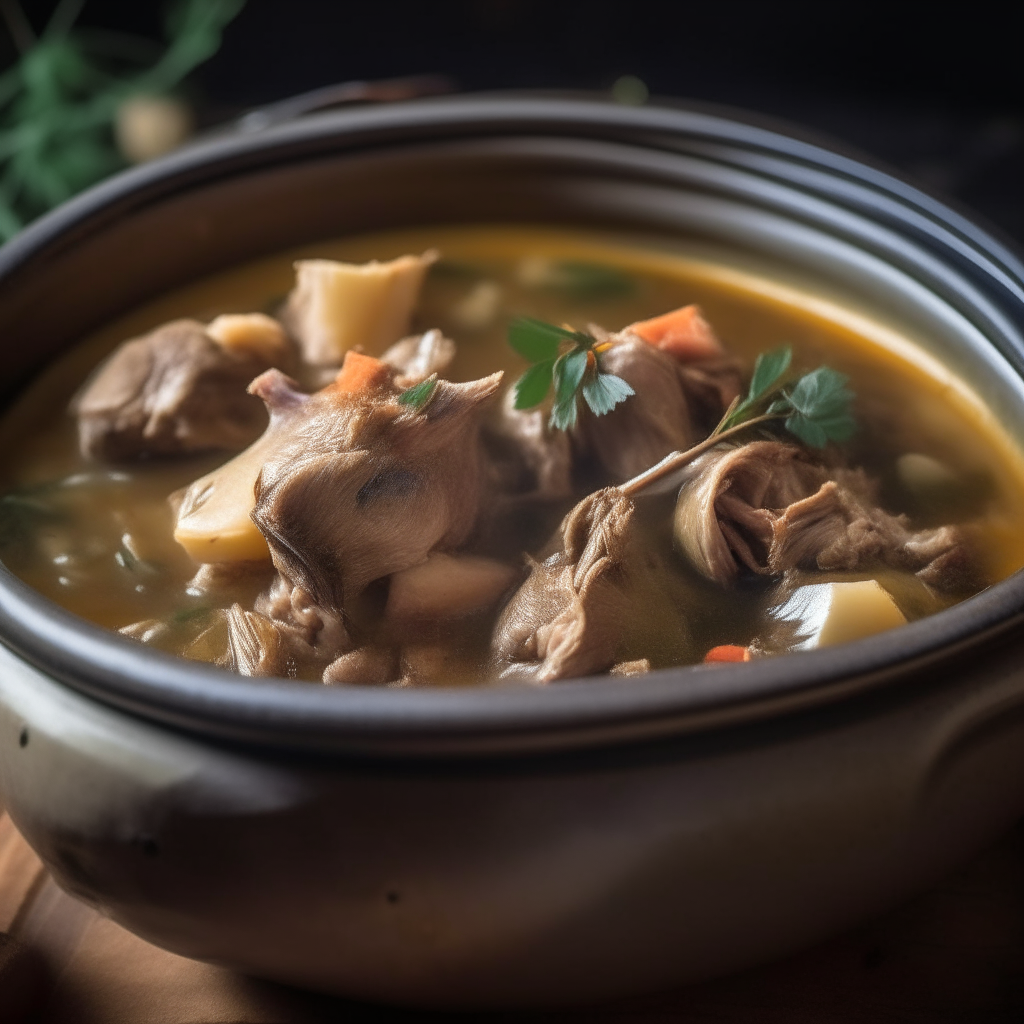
[98,539]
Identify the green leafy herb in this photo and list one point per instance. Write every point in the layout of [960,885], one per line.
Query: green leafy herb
[815,408]
[820,403]
[604,391]
[419,394]
[60,101]
[569,360]
[576,278]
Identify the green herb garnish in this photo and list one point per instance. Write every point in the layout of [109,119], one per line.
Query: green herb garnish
[419,394]
[815,409]
[60,101]
[571,361]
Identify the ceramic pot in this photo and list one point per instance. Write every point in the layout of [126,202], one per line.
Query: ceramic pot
[515,846]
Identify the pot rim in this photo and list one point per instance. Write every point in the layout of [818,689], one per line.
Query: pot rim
[502,720]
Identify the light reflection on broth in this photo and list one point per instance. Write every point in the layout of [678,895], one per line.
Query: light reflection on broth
[98,539]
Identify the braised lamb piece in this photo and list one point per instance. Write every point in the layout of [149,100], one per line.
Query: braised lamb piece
[768,507]
[358,485]
[180,389]
[676,404]
[604,597]
[682,379]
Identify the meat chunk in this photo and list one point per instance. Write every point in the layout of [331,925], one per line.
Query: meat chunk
[176,390]
[286,635]
[767,507]
[675,405]
[528,457]
[358,485]
[367,666]
[603,598]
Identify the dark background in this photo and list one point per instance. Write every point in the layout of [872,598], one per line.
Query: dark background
[936,92]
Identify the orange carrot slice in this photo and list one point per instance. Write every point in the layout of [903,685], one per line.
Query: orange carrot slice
[683,333]
[727,652]
[360,373]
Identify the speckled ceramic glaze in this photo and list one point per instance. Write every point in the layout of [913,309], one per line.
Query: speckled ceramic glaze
[499,847]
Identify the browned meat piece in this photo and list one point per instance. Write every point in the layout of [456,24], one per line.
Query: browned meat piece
[767,507]
[262,647]
[527,456]
[285,603]
[602,599]
[285,635]
[172,391]
[357,485]
[675,405]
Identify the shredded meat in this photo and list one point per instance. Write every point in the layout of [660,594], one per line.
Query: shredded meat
[603,598]
[768,507]
[675,405]
[172,391]
[285,635]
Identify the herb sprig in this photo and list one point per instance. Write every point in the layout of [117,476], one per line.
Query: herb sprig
[815,408]
[570,361]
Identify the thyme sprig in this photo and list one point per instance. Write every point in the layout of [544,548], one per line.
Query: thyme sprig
[815,408]
[570,361]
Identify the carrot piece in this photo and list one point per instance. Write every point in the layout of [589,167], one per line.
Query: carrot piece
[683,333]
[360,373]
[727,652]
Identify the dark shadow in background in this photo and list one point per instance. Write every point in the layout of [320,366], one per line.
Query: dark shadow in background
[938,95]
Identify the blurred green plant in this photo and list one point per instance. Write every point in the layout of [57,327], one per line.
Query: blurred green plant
[60,102]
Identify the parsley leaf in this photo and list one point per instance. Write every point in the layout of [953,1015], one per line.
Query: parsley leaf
[534,384]
[536,340]
[571,361]
[821,408]
[604,391]
[568,373]
[769,370]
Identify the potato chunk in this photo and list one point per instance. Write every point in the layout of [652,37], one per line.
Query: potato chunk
[337,305]
[826,614]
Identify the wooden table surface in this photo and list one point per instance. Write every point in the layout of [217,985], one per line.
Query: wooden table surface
[955,954]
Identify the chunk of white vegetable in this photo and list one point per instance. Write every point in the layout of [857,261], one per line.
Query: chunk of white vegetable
[146,127]
[213,521]
[836,613]
[447,587]
[922,475]
[480,306]
[334,306]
